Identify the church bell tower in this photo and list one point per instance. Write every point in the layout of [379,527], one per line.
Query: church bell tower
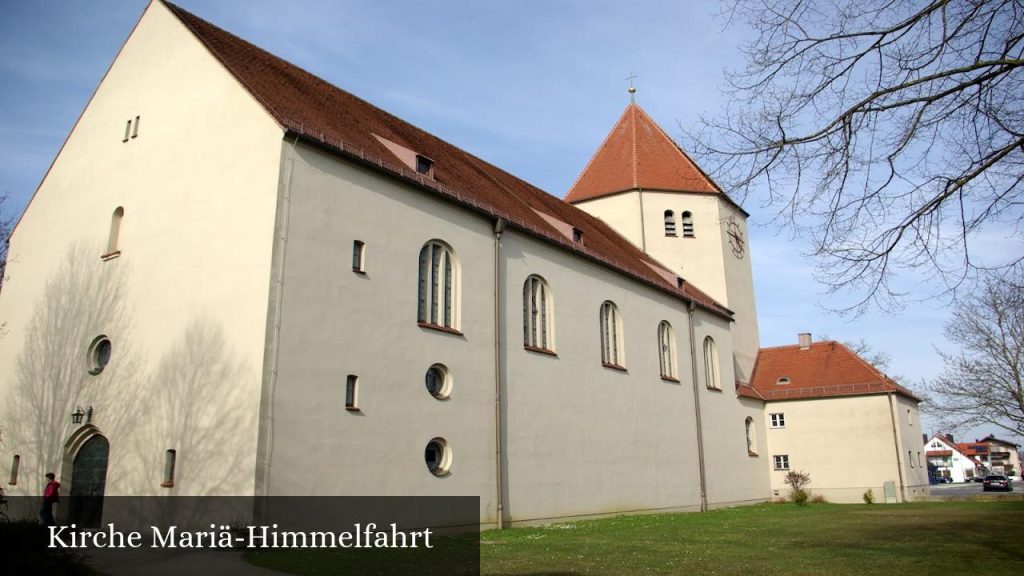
[651,192]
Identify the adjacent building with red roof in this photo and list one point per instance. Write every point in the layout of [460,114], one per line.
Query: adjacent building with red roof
[830,413]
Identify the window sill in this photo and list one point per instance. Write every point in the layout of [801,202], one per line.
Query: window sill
[712,388]
[15,483]
[670,379]
[439,328]
[353,409]
[614,367]
[110,255]
[543,351]
[169,484]
[752,454]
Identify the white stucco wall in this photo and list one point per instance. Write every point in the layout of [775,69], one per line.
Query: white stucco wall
[185,302]
[336,322]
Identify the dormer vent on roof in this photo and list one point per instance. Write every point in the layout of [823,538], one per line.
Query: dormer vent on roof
[412,159]
[424,165]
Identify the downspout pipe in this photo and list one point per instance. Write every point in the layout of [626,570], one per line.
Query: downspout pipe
[696,410]
[899,448]
[499,228]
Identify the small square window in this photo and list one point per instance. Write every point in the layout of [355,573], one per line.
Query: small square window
[778,420]
[781,461]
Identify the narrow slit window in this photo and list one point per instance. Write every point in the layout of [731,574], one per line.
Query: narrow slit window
[127,130]
[358,255]
[170,461]
[135,128]
[670,223]
[711,375]
[667,351]
[611,336]
[352,392]
[113,240]
[15,466]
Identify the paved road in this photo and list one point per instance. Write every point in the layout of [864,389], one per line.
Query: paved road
[970,489]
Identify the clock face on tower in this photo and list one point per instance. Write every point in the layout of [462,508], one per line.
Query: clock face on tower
[736,241]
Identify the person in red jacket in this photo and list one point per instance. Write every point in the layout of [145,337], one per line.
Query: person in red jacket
[51,496]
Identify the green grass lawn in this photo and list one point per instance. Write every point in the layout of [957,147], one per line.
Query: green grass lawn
[819,540]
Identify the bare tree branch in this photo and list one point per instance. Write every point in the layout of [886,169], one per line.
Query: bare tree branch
[891,133]
[983,382]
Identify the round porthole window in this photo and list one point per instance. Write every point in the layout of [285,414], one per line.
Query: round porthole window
[438,457]
[439,381]
[99,354]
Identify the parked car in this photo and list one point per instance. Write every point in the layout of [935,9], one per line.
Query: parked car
[976,479]
[996,482]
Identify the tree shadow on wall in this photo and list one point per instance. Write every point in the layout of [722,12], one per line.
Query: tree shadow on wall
[84,298]
[197,398]
[199,407]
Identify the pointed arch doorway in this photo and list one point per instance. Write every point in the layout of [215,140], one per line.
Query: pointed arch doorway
[88,479]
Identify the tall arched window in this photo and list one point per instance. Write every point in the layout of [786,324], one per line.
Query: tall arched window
[711,376]
[611,336]
[687,220]
[667,351]
[670,223]
[751,436]
[538,317]
[438,286]
[113,246]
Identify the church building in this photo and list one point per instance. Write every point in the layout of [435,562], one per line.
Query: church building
[238,279]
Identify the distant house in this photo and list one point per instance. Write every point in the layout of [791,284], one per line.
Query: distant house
[947,460]
[830,413]
[995,456]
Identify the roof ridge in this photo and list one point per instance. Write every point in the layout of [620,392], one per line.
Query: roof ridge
[594,156]
[679,149]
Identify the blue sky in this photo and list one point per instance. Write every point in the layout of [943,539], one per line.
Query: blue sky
[532,86]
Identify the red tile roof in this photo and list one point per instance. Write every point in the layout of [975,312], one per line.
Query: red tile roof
[638,154]
[746,391]
[823,370]
[320,113]
[972,448]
